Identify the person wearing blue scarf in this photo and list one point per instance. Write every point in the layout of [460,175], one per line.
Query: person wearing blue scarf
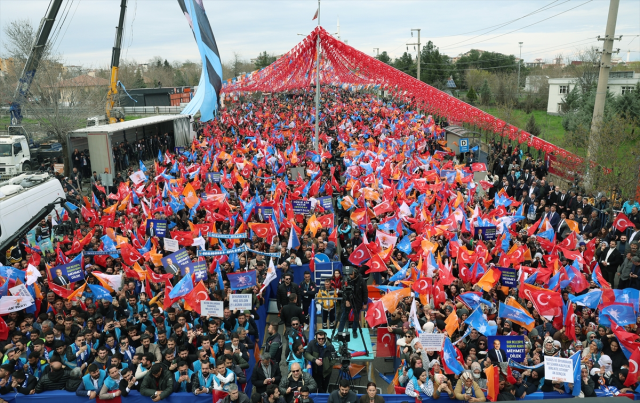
[203,380]
[81,351]
[183,378]
[92,382]
[116,385]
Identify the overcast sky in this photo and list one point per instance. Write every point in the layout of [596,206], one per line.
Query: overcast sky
[157,28]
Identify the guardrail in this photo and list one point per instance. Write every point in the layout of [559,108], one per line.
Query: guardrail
[150,110]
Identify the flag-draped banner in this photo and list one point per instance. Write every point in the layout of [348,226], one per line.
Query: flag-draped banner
[345,66]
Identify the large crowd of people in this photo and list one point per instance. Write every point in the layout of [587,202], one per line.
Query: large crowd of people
[435,241]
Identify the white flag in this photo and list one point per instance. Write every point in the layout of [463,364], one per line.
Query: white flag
[271,275]
[16,303]
[115,282]
[32,274]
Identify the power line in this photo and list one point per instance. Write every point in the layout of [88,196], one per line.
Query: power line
[517,19]
[527,26]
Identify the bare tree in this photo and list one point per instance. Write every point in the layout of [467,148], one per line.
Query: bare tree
[59,104]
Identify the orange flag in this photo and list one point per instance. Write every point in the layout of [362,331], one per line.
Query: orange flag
[78,292]
[190,197]
[493,383]
[512,302]
[391,299]
[489,279]
[451,323]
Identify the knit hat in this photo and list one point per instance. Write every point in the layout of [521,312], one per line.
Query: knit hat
[417,372]
[516,374]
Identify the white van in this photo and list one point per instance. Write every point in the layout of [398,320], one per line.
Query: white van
[20,203]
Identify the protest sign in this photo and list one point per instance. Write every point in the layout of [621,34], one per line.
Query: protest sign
[432,341]
[326,202]
[509,277]
[211,308]
[171,245]
[20,290]
[67,273]
[240,302]
[511,346]
[199,268]
[301,206]
[558,369]
[175,261]
[487,233]
[213,177]
[265,212]
[156,228]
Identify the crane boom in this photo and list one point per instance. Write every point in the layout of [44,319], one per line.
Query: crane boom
[115,64]
[30,67]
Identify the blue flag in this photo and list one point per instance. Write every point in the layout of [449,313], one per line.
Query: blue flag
[404,245]
[242,280]
[590,299]
[100,292]
[531,279]
[509,312]
[143,168]
[401,274]
[184,287]
[10,272]
[294,242]
[473,299]
[160,156]
[622,315]
[478,322]
[577,372]
[71,206]
[451,357]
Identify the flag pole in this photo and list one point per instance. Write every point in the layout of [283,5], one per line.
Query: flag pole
[316,140]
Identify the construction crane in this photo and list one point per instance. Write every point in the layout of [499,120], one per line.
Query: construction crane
[116,116]
[23,158]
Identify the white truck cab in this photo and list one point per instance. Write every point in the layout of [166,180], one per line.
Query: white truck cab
[15,156]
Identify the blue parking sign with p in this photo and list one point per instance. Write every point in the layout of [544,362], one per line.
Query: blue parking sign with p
[464,145]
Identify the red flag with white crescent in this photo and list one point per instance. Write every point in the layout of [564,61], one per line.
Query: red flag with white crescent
[634,361]
[376,315]
[386,340]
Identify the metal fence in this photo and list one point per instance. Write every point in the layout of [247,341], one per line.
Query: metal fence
[151,110]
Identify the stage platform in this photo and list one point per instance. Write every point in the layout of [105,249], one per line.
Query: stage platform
[355,345]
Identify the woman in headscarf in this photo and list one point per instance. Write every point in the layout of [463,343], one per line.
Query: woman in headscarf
[467,389]
[606,370]
[442,384]
[420,385]
[613,350]
[533,379]
[407,374]
[478,375]
[548,347]
[594,351]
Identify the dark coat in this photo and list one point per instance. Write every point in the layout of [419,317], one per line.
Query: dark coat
[258,376]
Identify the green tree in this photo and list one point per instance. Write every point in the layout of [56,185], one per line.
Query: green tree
[139,81]
[485,93]
[179,79]
[166,65]
[628,105]
[384,57]
[406,64]
[532,127]
[435,68]
[471,95]
[264,59]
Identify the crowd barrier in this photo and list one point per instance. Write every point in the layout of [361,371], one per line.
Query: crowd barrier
[136,397]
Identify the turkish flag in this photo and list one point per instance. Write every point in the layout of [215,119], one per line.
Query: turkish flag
[129,254]
[382,208]
[60,291]
[547,303]
[421,286]
[479,167]
[326,220]
[570,242]
[386,343]
[158,278]
[130,273]
[197,295]
[570,323]
[261,230]
[4,330]
[622,222]
[376,265]
[360,255]
[218,396]
[632,376]
[184,238]
[376,314]
[167,300]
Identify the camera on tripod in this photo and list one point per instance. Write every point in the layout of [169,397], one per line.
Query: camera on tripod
[343,337]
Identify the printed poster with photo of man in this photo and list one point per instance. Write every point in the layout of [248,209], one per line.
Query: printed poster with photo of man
[174,262]
[66,274]
[199,268]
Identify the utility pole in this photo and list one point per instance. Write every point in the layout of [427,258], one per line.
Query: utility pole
[377,50]
[603,80]
[317,136]
[519,63]
[418,73]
